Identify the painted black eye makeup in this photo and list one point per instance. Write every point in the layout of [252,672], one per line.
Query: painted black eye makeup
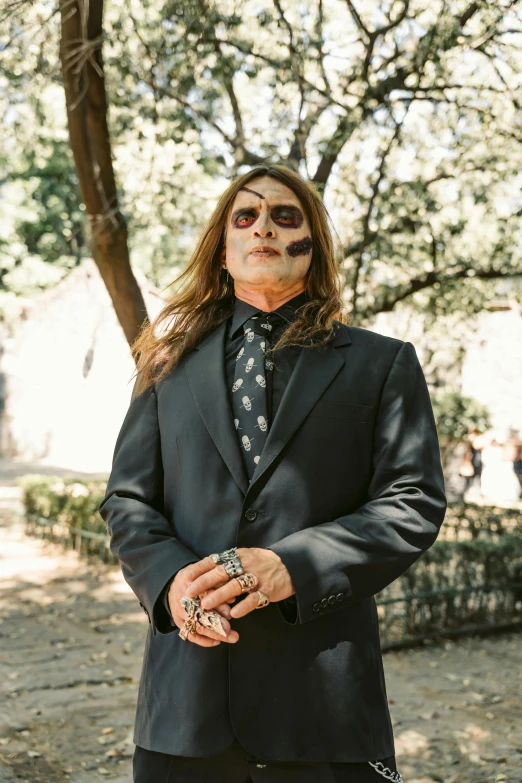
[285,215]
[290,217]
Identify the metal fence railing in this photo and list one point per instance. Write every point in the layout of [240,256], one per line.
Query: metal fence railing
[85,542]
[410,619]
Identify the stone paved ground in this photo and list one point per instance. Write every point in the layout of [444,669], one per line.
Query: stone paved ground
[72,637]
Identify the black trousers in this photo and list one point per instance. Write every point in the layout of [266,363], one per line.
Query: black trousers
[238,766]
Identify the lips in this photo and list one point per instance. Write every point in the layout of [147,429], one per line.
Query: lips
[264,251]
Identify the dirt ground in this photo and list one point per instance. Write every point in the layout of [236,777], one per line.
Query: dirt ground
[72,637]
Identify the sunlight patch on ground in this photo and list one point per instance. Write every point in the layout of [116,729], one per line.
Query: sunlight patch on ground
[410,742]
[475,732]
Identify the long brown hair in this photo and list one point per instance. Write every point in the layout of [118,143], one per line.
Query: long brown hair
[205,297]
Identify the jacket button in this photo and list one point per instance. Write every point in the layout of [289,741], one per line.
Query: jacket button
[324,603]
[339,597]
[250,514]
[316,607]
[331,600]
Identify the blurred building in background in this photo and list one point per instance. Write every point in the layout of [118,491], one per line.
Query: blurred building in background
[66,372]
[492,370]
[482,358]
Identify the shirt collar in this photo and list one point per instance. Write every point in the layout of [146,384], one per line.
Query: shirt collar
[243,311]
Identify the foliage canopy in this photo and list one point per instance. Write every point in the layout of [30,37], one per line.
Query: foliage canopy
[405,114]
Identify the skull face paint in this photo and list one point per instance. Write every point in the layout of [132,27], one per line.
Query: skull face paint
[266,226]
[299,248]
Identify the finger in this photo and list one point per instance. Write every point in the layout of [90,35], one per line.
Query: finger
[211,632]
[230,638]
[245,606]
[207,580]
[202,641]
[194,570]
[224,610]
[225,593]
[235,587]
[206,592]
[231,635]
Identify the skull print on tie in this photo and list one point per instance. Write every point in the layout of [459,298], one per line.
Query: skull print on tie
[249,402]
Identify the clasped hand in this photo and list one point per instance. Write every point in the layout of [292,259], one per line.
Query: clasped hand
[218,591]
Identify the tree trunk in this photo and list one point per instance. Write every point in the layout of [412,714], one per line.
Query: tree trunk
[86,101]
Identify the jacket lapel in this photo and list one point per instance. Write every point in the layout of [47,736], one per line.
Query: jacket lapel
[205,369]
[315,369]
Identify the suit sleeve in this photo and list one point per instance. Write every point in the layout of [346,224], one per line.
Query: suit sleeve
[140,535]
[338,563]
[163,600]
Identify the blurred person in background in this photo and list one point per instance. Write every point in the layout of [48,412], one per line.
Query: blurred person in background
[477,442]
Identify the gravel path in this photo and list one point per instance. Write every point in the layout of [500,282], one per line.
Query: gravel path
[72,637]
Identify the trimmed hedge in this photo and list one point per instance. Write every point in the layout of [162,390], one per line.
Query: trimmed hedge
[455,585]
[466,521]
[72,502]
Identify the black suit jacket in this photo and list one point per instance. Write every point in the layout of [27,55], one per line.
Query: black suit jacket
[348,491]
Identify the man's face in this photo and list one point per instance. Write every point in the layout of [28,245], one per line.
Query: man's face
[267,214]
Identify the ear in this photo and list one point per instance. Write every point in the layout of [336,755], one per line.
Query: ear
[223,260]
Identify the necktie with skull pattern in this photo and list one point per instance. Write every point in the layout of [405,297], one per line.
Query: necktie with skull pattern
[249,402]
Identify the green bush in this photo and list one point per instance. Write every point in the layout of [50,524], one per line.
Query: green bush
[456,415]
[72,502]
[463,564]
[466,521]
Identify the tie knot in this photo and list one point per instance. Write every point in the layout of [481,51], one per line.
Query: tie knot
[259,324]
[262,324]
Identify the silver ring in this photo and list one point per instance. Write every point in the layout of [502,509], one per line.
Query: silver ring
[223,557]
[234,568]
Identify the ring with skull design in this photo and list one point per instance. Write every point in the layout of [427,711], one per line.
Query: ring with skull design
[234,568]
[247,582]
[223,557]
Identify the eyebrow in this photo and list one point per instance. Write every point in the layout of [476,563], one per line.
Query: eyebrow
[240,211]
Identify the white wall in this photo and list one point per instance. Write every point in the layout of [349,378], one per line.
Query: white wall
[56,414]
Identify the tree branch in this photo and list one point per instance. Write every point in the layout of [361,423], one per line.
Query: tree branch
[358,21]
[388,302]
[277,65]
[367,217]
[470,11]
[345,127]
[319,22]
[297,152]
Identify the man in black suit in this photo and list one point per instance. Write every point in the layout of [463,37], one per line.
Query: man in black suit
[281,488]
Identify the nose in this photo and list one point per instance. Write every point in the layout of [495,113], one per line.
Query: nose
[264,227]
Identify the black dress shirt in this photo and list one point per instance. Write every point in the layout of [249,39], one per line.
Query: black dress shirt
[276,381]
